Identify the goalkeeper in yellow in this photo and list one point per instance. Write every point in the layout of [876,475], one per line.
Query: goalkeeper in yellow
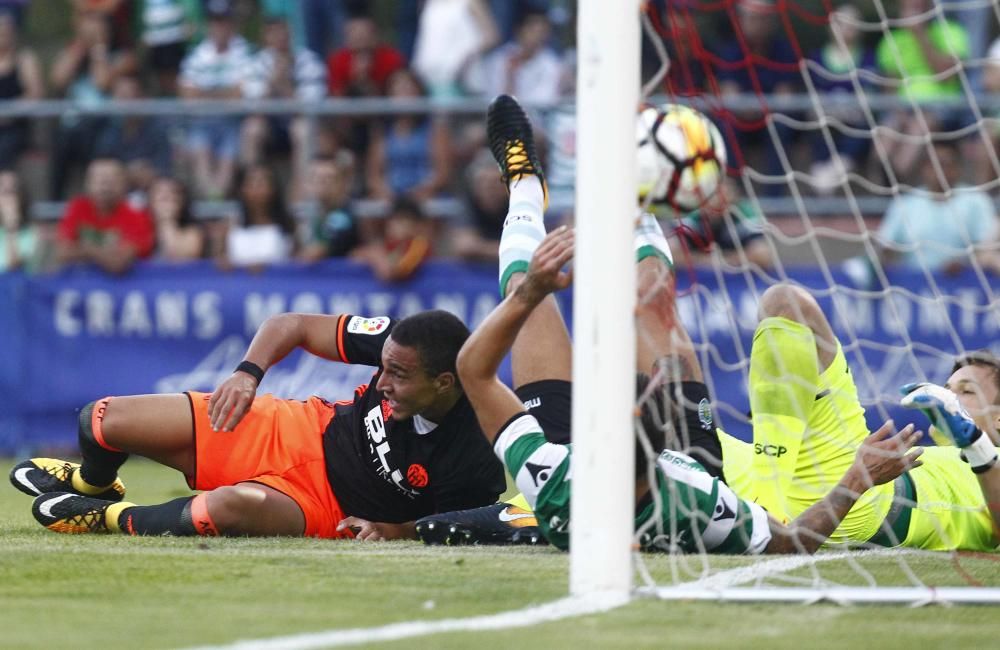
[808,423]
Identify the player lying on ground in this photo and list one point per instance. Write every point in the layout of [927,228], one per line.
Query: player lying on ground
[406,445]
[542,381]
[808,422]
[698,511]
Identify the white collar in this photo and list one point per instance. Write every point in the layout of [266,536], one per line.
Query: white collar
[422,425]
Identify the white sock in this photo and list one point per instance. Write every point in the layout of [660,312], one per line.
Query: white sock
[650,241]
[523,229]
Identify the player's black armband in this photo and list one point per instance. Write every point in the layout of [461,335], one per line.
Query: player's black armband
[251,369]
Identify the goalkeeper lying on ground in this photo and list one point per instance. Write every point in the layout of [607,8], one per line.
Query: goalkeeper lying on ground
[808,421]
[699,512]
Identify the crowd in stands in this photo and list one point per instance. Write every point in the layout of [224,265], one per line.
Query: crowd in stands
[286,187]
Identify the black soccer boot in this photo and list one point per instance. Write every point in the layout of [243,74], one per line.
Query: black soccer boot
[44,475]
[498,524]
[67,512]
[512,142]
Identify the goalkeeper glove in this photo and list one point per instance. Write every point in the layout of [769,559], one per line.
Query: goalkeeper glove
[947,415]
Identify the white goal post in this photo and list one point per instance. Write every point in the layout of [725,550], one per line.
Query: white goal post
[604,299]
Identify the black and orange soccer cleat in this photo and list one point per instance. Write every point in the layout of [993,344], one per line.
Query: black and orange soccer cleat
[512,142]
[498,524]
[73,514]
[46,475]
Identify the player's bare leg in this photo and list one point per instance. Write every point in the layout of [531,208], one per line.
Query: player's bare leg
[665,352]
[159,427]
[542,350]
[662,343]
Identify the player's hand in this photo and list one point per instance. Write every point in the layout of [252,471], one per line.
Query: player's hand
[942,408]
[231,401]
[882,457]
[545,273]
[374,531]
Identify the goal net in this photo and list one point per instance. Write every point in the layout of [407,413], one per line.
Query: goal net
[861,172]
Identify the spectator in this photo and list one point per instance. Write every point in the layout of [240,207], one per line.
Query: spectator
[20,78]
[740,73]
[167,28]
[119,17]
[280,71]
[728,223]
[477,237]
[451,36]
[18,238]
[406,245]
[100,227]
[362,67]
[139,141]
[178,235]
[944,227]
[526,67]
[843,54]
[359,69]
[323,23]
[409,154]
[332,230]
[507,14]
[293,13]
[925,54]
[215,70]
[265,234]
[84,72]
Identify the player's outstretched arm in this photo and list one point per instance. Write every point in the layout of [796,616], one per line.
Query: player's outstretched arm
[880,458]
[480,357]
[275,339]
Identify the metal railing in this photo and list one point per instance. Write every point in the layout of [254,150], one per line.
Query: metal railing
[470,107]
[467,106]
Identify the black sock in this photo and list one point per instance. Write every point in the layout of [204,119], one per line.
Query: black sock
[100,465]
[170,518]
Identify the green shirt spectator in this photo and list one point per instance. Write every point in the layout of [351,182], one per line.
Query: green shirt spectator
[900,54]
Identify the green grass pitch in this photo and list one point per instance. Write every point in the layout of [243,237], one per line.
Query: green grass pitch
[117,592]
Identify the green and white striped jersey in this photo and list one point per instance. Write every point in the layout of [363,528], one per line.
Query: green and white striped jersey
[689,510]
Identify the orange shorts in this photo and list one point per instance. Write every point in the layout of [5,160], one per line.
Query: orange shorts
[278,444]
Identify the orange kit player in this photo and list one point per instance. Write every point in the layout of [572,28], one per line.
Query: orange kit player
[406,445]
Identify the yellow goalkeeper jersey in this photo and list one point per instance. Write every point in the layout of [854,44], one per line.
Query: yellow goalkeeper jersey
[799,454]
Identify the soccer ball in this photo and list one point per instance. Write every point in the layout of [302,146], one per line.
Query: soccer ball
[682,158]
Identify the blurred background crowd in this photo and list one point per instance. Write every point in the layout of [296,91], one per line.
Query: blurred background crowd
[396,186]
